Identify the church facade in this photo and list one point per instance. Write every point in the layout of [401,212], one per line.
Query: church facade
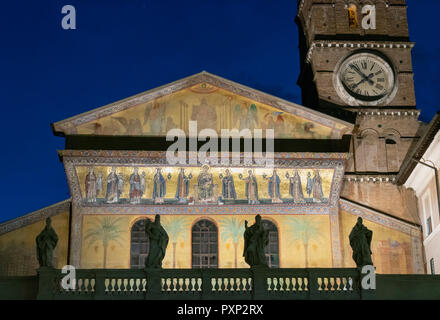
[336,158]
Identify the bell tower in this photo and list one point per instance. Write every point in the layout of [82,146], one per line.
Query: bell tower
[355,57]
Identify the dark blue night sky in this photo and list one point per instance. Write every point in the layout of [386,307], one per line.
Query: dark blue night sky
[121,48]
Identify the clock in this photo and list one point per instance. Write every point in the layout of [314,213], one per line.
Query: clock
[365,79]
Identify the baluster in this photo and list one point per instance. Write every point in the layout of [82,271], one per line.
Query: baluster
[232,284]
[275,284]
[220,284]
[82,287]
[93,283]
[193,284]
[144,284]
[122,287]
[199,284]
[90,285]
[240,284]
[338,284]
[214,284]
[282,282]
[180,283]
[295,284]
[326,284]
[319,279]
[87,285]
[187,282]
[288,283]
[117,285]
[332,284]
[269,284]
[245,284]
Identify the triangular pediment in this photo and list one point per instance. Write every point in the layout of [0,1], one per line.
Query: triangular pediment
[213,102]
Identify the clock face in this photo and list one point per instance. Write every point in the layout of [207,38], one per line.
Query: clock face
[365,77]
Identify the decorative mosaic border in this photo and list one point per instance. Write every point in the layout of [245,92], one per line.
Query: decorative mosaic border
[379,218]
[269,209]
[68,126]
[414,232]
[71,162]
[149,155]
[35,216]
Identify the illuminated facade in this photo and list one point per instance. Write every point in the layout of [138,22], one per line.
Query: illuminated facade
[334,160]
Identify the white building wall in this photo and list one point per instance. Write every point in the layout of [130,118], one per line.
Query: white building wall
[422,180]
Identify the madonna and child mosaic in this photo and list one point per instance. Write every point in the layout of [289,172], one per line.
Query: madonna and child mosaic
[203,185]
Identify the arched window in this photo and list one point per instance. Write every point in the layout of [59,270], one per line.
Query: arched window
[369,144]
[204,245]
[139,245]
[392,154]
[272,250]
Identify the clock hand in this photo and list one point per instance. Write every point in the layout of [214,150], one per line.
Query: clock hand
[363,80]
[355,68]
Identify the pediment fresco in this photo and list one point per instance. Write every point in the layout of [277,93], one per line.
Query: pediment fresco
[212,106]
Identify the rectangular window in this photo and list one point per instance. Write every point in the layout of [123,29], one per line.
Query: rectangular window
[431,263]
[429,225]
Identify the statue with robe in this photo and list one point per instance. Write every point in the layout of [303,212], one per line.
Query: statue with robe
[46,243]
[256,238]
[273,187]
[182,189]
[251,187]
[228,187]
[158,239]
[295,187]
[317,187]
[360,241]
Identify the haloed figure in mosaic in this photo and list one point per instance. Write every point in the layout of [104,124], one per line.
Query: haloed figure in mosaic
[114,186]
[251,187]
[137,188]
[256,239]
[158,239]
[228,187]
[182,188]
[309,185]
[273,187]
[205,185]
[159,187]
[317,187]
[93,185]
[295,187]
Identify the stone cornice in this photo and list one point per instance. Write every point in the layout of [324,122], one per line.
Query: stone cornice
[387,113]
[356,45]
[369,178]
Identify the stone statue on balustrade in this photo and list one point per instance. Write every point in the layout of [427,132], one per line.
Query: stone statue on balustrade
[158,243]
[360,241]
[256,239]
[46,242]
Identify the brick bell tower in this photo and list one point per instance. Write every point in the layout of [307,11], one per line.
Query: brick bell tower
[355,56]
